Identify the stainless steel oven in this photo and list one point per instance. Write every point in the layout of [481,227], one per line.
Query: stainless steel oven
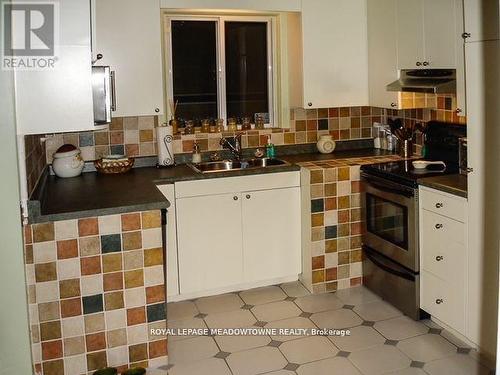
[391,220]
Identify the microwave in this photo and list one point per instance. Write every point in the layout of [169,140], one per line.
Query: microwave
[103,94]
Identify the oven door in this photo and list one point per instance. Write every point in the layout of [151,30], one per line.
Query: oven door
[391,220]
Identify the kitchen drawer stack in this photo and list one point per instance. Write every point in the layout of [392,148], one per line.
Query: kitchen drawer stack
[443,252]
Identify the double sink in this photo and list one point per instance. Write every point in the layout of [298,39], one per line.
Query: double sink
[237,165]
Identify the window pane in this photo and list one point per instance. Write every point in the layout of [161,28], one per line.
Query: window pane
[246,69]
[194,64]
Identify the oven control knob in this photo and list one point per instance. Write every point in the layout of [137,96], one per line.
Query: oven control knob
[439,205]
[439,301]
[439,226]
[439,258]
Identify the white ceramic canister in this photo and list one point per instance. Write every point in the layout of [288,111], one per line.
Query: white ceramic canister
[325,144]
[68,164]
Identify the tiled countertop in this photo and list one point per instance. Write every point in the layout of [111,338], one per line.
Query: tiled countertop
[93,194]
[454,184]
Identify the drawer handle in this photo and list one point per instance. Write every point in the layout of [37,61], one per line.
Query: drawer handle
[235,197]
[439,205]
[439,258]
[439,301]
[248,196]
[438,226]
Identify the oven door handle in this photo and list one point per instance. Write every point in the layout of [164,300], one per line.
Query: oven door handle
[371,255]
[387,189]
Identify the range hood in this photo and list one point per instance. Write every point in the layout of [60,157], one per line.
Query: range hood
[431,81]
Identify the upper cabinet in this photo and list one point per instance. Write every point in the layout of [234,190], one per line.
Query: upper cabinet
[335,71]
[382,52]
[128,35]
[481,20]
[426,34]
[59,99]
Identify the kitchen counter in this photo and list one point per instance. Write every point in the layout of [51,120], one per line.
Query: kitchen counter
[93,194]
[454,184]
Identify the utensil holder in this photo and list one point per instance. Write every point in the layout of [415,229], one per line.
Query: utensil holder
[406,148]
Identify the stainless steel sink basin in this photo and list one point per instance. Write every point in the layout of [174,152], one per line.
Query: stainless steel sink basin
[236,165]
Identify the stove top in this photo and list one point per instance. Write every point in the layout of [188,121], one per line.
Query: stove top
[403,172]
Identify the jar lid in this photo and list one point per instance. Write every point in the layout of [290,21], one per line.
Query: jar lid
[66,154]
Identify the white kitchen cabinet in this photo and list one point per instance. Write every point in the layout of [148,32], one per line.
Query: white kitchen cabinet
[60,99]
[56,100]
[128,35]
[481,20]
[483,135]
[426,34]
[443,257]
[209,242]
[335,71]
[271,233]
[410,33]
[382,52]
[237,233]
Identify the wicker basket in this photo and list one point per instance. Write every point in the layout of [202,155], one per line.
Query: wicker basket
[113,166]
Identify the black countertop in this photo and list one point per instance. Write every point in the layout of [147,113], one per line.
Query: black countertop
[453,183]
[93,194]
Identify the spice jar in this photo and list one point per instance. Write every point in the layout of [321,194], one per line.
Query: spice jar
[247,125]
[219,126]
[205,126]
[189,129]
[232,125]
[259,122]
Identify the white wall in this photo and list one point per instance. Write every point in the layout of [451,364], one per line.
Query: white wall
[15,353]
[260,5]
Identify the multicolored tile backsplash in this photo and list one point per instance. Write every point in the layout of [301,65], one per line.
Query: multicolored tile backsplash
[95,290]
[332,249]
[135,136]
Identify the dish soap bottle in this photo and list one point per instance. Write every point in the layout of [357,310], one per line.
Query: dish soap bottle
[270,150]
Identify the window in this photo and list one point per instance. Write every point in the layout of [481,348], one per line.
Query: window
[221,67]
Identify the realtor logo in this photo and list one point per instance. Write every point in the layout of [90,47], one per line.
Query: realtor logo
[29,34]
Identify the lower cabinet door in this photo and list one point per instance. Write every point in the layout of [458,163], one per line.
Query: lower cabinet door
[209,242]
[271,234]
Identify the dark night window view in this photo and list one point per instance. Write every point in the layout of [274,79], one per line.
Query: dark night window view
[196,86]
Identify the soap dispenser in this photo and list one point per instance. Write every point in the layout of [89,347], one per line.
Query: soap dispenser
[196,159]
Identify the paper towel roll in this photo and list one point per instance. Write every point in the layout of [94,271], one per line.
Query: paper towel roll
[165,140]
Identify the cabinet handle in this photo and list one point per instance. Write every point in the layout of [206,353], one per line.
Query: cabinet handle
[458,110]
[426,63]
[394,105]
[439,258]
[248,196]
[439,301]
[235,198]
[439,205]
[157,110]
[465,35]
[419,63]
[310,104]
[470,170]
[438,226]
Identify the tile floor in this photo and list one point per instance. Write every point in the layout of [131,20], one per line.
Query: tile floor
[382,340]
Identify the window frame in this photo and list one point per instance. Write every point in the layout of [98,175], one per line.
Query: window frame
[220,21]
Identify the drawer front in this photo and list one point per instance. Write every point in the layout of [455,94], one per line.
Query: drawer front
[443,300]
[445,262]
[443,204]
[439,230]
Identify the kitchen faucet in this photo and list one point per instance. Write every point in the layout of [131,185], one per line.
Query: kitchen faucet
[233,144]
